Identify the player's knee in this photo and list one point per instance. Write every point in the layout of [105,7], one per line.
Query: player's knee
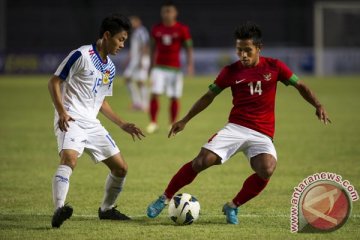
[68,162]
[267,170]
[120,170]
[68,158]
[204,160]
[153,96]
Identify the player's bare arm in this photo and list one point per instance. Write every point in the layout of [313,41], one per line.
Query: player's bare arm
[152,53]
[310,97]
[198,107]
[55,93]
[190,60]
[127,127]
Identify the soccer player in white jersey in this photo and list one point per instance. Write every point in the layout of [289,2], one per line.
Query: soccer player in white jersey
[78,90]
[136,72]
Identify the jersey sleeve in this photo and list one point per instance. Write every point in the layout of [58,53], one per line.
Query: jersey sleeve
[286,76]
[187,37]
[221,82]
[69,66]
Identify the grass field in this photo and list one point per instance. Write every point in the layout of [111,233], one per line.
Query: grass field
[28,161]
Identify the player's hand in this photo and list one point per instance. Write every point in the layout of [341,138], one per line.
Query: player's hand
[322,114]
[177,127]
[64,120]
[134,131]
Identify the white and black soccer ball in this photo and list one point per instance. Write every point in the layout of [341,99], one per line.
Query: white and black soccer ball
[184,209]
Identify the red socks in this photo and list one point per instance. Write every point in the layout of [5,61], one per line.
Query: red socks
[174,110]
[183,177]
[252,186]
[154,109]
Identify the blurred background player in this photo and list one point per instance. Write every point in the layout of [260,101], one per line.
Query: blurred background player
[136,72]
[168,37]
[78,90]
[253,81]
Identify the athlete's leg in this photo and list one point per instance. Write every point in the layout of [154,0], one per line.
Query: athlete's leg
[62,175]
[183,177]
[154,107]
[264,165]
[134,93]
[189,171]
[174,109]
[143,95]
[115,180]
[174,92]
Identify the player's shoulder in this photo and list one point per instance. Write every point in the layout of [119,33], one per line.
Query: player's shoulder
[83,50]
[271,62]
[232,68]
[182,26]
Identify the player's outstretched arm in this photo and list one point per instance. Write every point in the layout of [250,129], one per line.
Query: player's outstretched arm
[309,96]
[199,106]
[55,93]
[130,128]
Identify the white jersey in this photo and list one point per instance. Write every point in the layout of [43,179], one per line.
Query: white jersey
[139,38]
[87,81]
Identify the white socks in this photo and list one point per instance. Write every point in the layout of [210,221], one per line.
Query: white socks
[144,97]
[61,185]
[113,187]
[134,93]
[139,95]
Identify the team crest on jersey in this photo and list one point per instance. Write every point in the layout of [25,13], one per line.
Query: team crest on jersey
[267,77]
[106,77]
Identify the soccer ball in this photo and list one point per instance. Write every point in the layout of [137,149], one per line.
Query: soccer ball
[184,209]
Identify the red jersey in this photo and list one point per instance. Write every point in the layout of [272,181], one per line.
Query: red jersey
[168,42]
[253,90]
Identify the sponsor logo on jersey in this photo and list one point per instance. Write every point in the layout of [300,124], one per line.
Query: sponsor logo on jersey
[239,81]
[267,77]
[166,39]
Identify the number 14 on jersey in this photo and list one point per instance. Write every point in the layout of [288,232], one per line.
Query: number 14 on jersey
[257,89]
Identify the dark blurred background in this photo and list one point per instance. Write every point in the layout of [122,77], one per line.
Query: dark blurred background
[60,25]
[45,26]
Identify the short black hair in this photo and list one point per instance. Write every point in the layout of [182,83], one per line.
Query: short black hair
[168,3]
[115,23]
[249,30]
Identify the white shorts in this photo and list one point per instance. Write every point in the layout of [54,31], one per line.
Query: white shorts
[168,81]
[234,138]
[96,141]
[137,71]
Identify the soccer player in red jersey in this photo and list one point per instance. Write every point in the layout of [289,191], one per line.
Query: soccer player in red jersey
[253,80]
[168,37]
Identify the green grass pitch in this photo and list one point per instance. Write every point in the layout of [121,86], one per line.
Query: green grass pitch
[28,160]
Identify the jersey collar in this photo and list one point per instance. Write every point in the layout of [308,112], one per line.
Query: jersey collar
[97,54]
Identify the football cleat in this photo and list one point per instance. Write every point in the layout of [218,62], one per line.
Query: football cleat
[152,128]
[155,208]
[60,215]
[112,214]
[231,214]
